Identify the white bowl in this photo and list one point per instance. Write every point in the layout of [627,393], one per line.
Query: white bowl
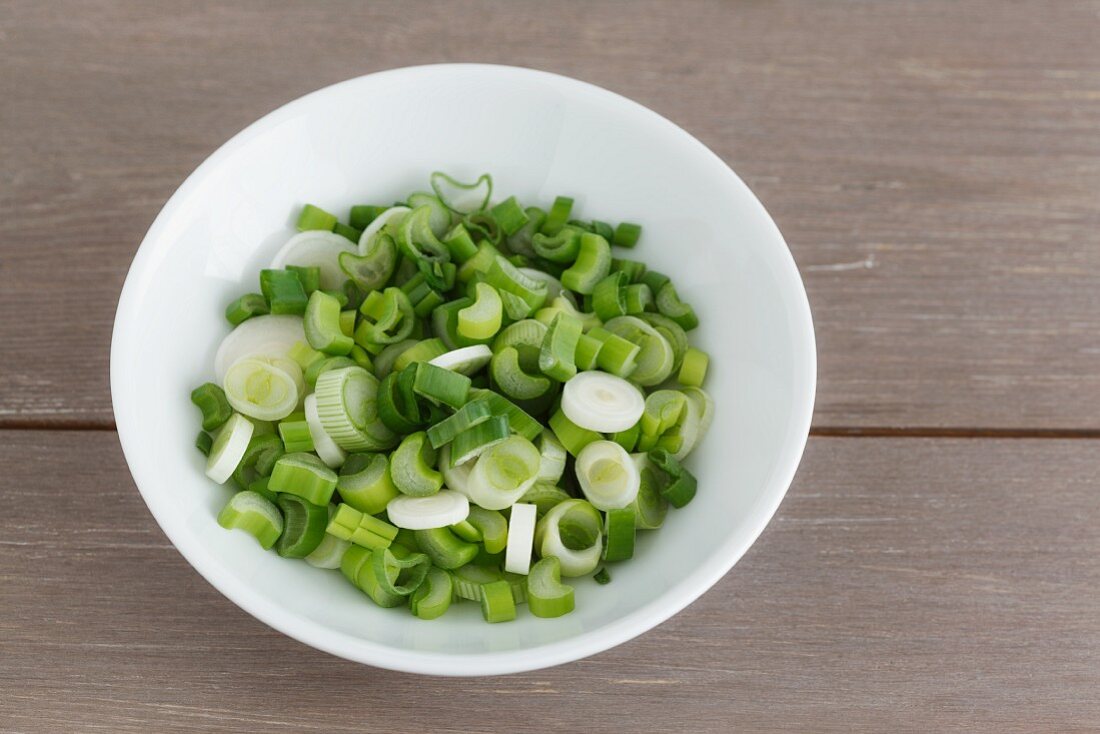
[373,140]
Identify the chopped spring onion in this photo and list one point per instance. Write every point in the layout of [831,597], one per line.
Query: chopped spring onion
[433,597]
[322,250]
[460,244]
[638,298]
[497,602]
[609,297]
[670,305]
[503,473]
[365,483]
[571,531]
[655,359]
[587,353]
[323,325]
[468,416]
[602,577]
[521,538]
[314,217]
[308,275]
[620,531]
[695,421]
[465,530]
[670,330]
[553,285]
[215,408]
[547,596]
[569,434]
[270,336]
[591,266]
[284,291]
[520,241]
[350,524]
[303,526]
[260,487]
[628,439]
[423,351]
[507,278]
[441,509]
[204,442]
[440,218]
[346,319]
[634,269]
[694,368]
[562,247]
[384,224]
[441,385]
[676,484]
[362,215]
[481,319]
[650,507]
[264,449]
[479,262]
[370,269]
[544,497]
[228,448]
[254,514]
[462,198]
[386,360]
[558,215]
[388,579]
[510,378]
[601,402]
[663,409]
[552,457]
[559,346]
[491,525]
[445,548]
[305,476]
[326,448]
[329,552]
[388,319]
[527,335]
[627,234]
[416,240]
[245,307]
[563,304]
[347,404]
[520,422]
[348,232]
[607,475]
[464,360]
[655,280]
[411,467]
[475,440]
[617,355]
[470,578]
[510,216]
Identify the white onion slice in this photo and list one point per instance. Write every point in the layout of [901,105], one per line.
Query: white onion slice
[257,388]
[601,402]
[316,248]
[445,507]
[377,224]
[228,448]
[466,360]
[608,476]
[553,285]
[521,538]
[261,336]
[326,448]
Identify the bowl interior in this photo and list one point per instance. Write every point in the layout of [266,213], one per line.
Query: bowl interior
[373,140]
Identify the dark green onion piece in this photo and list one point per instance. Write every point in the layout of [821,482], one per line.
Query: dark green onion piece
[509,215]
[620,535]
[677,484]
[367,579]
[627,234]
[558,215]
[441,385]
[351,233]
[559,347]
[547,596]
[260,487]
[423,351]
[363,214]
[347,320]
[655,280]
[398,408]
[602,577]
[303,526]
[283,291]
[460,244]
[468,416]
[634,269]
[259,459]
[215,407]
[203,442]
[519,421]
[313,217]
[603,229]
[474,440]
[245,307]
[638,298]
[308,275]
[483,226]
[398,573]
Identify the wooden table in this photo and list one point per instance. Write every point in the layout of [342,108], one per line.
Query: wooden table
[935,167]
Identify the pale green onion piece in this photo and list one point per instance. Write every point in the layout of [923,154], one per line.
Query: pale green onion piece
[374,266]
[362,529]
[520,242]
[365,483]
[510,216]
[386,221]
[396,574]
[441,509]
[323,444]
[526,333]
[519,420]
[464,360]
[305,476]
[553,285]
[254,514]
[416,240]
[671,331]
[663,409]
[459,242]
[257,388]
[617,355]
[562,247]
[491,525]
[601,402]
[347,403]
[670,305]
[547,596]
[456,477]
[316,249]
[552,457]
[695,421]
[515,308]
[423,351]
[295,434]
[262,336]
[561,304]
[607,475]
[411,467]
[433,597]
[482,319]
[504,276]
[323,325]
[521,538]
[465,530]
[388,318]
[440,219]
[386,360]
[620,531]
[347,321]
[462,198]
[445,548]
[441,385]
[628,439]
[655,359]
[558,215]
[331,550]
[591,266]
[559,346]
[472,442]
[497,602]
[572,532]
[650,508]
[503,473]
[480,262]
[228,448]
[544,497]
[638,298]
[466,417]
[587,354]
[609,296]
[470,578]
[569,434]
[510,378]
[694,368]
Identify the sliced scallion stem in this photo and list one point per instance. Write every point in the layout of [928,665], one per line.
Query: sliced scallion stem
[347,404]
[510,216]
[558,215]
[259,389]
[322,322]
[481,319]
[510,378]
[305,476]
[228,448]
[362,529]
[617,355]
[314,217]
[245,307]
[607,475]
[602,577]
[559,347]
[412,467]
[694,368]
[254,514]
[445,548]
[592,265]
[650,507]
[365,483]
[627,234]
[521,538]
[572,437]
[503,473]
[441,385]
[215,408]
[264,449]
[561,247]
[600,402]
[547,596]
[459,197]
[304,526]
[670,305]
[445,507]
[677,484]
[472,442]
[283,291]
[620,530]
[571,531]
[491,525]
[497,602]
[468,416]
[433,597]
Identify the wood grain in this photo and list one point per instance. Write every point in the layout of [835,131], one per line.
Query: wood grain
[934,166]
[882,597]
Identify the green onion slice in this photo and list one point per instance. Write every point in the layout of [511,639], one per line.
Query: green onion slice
[650,507]
[365,483]
[386,360]
[693,370]
[228,448]
[569,434]
[441,385]
[373,266]
[617,356]
[671,331]
[440,219]
[503,473]
[257,388]
[510,378]
[445,549]
[441,509]
[433,597]
[561,304]
[520,241]
[620,532]
[558,215]
[468,416]
[319,249]
[519,420]
[264,449]
[254,514]
[462,198]
[591,266]
[329,552]
[362,529]
[497,602]
[607,475]
[521,538]
[215,408]
[304,526]
[547,596]
[656,358]
[411,467]
[464,360]
[562,247]
[492,526]
[245,307]
[347,404]
[305,476]
[572,532]
[670,305]
[552,457]
[481,319]
[388,319]
[323,444]
[695,421]
[474,441]
[559,346]
[323,325]
[676,484]
[544,497]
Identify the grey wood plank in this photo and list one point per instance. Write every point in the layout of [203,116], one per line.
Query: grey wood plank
[934,166]
[883,597]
